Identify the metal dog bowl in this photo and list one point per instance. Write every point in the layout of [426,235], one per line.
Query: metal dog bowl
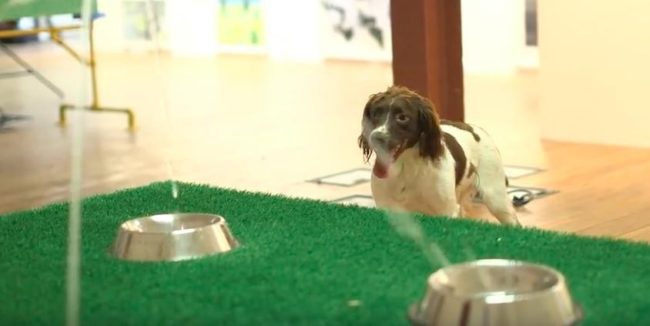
[172,237]
[496,292]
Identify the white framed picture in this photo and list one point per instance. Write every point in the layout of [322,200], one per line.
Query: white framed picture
[144,25]
[357,30]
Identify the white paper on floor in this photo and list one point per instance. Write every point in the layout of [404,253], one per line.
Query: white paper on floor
[358,200]
[346,178]
[537,192]
[362,175]
[514,172]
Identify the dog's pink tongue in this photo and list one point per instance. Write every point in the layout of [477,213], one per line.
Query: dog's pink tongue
[380,170]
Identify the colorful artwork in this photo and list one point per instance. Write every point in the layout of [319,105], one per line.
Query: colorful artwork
[241,22]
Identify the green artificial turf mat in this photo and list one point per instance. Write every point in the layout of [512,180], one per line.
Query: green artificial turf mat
[301,262]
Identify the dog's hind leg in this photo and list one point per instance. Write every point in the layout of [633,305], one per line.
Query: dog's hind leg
[466,201]
[492,188]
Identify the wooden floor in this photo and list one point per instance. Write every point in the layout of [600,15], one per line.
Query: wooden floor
[247,123]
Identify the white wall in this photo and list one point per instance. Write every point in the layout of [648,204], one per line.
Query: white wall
[493,35]
[192,27]
[293,29]
[595,71]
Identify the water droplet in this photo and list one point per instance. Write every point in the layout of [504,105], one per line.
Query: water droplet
[407,226]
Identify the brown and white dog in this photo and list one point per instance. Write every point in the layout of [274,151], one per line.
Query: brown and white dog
[427,165]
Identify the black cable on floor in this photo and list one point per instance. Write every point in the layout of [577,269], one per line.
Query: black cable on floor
[522,199]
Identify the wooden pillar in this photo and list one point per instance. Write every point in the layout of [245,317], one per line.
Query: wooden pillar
[427,52]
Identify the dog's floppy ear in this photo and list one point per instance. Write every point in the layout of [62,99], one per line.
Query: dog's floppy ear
[365,147]
[430,140]
[362,141]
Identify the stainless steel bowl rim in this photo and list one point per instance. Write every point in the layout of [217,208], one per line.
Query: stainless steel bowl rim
[216,219]
[423,312]
[517,296]
[173,237]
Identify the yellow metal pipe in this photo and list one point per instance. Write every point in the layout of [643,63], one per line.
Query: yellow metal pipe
[34,31]
[57,39]
[55,34]
[92,64]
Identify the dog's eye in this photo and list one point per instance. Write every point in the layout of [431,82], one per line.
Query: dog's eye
[402,118]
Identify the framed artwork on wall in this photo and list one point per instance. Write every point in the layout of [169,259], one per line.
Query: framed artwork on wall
[141,21]
[241,26]
[357,29]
